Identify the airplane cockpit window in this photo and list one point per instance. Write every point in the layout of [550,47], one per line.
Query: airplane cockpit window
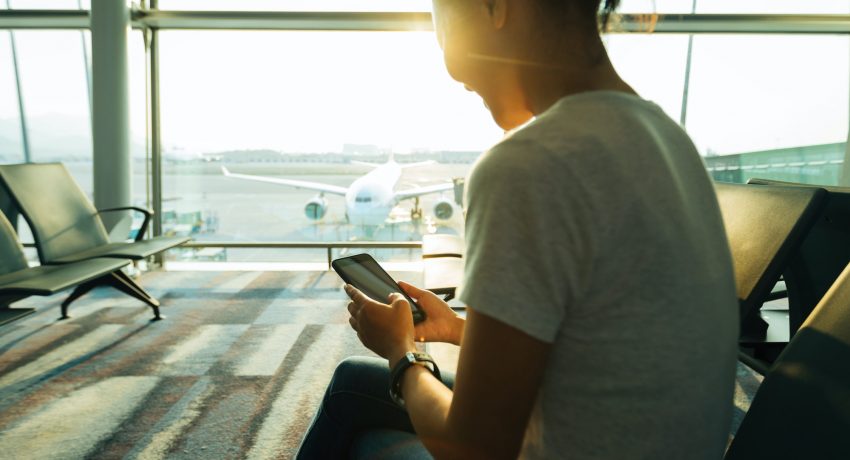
[363,199]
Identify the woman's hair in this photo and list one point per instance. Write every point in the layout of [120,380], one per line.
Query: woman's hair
[606,9]
[594,11]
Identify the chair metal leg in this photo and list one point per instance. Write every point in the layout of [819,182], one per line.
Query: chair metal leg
[78,292]
[119,280]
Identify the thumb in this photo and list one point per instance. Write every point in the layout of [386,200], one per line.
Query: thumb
[398,301]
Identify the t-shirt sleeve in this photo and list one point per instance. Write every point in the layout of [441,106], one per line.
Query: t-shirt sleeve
[528,239]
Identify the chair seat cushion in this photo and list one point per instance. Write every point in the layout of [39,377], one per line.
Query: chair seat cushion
[136,250]
[50,279]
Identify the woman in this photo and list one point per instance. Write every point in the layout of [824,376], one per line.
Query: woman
[601,304]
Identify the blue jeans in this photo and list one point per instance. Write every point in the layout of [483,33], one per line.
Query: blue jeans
[357,419]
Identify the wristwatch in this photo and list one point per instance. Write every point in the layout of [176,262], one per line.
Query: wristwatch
[410,358]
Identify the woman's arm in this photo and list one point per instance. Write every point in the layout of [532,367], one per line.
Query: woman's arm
[499,373]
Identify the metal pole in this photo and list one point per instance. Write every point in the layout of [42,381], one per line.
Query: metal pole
[155,129]
[683,117]
[110,26]
[25,141]
[844,178]
[86,64]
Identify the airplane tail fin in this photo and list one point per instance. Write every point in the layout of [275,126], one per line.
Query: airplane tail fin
[225,171]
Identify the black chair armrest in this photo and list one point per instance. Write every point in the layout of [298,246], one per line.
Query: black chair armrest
[147,212]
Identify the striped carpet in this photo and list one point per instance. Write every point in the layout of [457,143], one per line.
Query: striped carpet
[235,370]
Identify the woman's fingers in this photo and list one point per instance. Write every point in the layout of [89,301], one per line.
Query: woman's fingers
[415,292]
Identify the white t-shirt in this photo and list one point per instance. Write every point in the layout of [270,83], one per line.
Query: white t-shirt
[596,229]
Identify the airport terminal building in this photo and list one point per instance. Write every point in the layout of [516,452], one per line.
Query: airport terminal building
[177,178]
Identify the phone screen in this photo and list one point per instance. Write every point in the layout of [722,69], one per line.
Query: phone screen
[364,273]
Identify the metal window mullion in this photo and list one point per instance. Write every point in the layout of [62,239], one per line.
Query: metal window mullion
[155,128]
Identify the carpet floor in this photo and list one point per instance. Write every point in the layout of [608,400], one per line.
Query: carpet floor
[236,370]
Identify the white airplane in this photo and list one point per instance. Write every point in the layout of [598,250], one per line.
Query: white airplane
[369,199]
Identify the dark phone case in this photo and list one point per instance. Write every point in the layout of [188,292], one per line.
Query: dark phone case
[418,314]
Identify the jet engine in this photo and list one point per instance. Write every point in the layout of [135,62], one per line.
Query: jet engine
[444,209]
[316,208]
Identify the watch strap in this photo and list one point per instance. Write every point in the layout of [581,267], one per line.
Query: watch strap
[409,359]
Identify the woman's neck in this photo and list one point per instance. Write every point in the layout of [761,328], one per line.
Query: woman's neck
[581,72]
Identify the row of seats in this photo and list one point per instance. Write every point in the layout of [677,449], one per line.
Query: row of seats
[72,243]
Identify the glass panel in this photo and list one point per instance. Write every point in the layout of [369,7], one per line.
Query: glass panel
[297,5]
[56,101]
[770,104]
[654,65]
[54,83]
[312,106]
[11,146]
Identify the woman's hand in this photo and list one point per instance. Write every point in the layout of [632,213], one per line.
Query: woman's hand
[441,323]
[385,329]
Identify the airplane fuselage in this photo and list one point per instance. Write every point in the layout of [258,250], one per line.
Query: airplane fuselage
[370,198]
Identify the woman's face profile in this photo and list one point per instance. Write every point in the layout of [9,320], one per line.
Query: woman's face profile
[473,52]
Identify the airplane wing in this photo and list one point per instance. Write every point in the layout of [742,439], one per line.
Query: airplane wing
[419,191]
[325,188]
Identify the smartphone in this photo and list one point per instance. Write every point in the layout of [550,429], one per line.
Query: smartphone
[364,273]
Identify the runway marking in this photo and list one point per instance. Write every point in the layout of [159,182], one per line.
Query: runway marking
[277,437]
[198,353]
[163,435]
[267,357]
[63,354]
[72,426]
[237,283]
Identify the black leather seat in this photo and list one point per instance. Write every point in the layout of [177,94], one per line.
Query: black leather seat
[802,409]
[18,280]
[67,228]
[764,225]
[821,257]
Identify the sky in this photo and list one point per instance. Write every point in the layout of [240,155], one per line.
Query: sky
[315,91]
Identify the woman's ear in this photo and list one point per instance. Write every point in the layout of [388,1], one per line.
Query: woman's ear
[498,11]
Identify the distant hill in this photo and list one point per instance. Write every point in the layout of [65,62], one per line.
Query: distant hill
[53,137]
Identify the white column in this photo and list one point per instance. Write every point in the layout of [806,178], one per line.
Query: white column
[110,30]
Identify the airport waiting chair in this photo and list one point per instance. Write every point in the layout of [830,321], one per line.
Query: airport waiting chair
[821,257]
[802,408]
[18,280]
[764,225]
[67,228]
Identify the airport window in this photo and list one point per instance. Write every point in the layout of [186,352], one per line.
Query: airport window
[321,107]
[328,107]
[746,92]
[54,91]
[11,146]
